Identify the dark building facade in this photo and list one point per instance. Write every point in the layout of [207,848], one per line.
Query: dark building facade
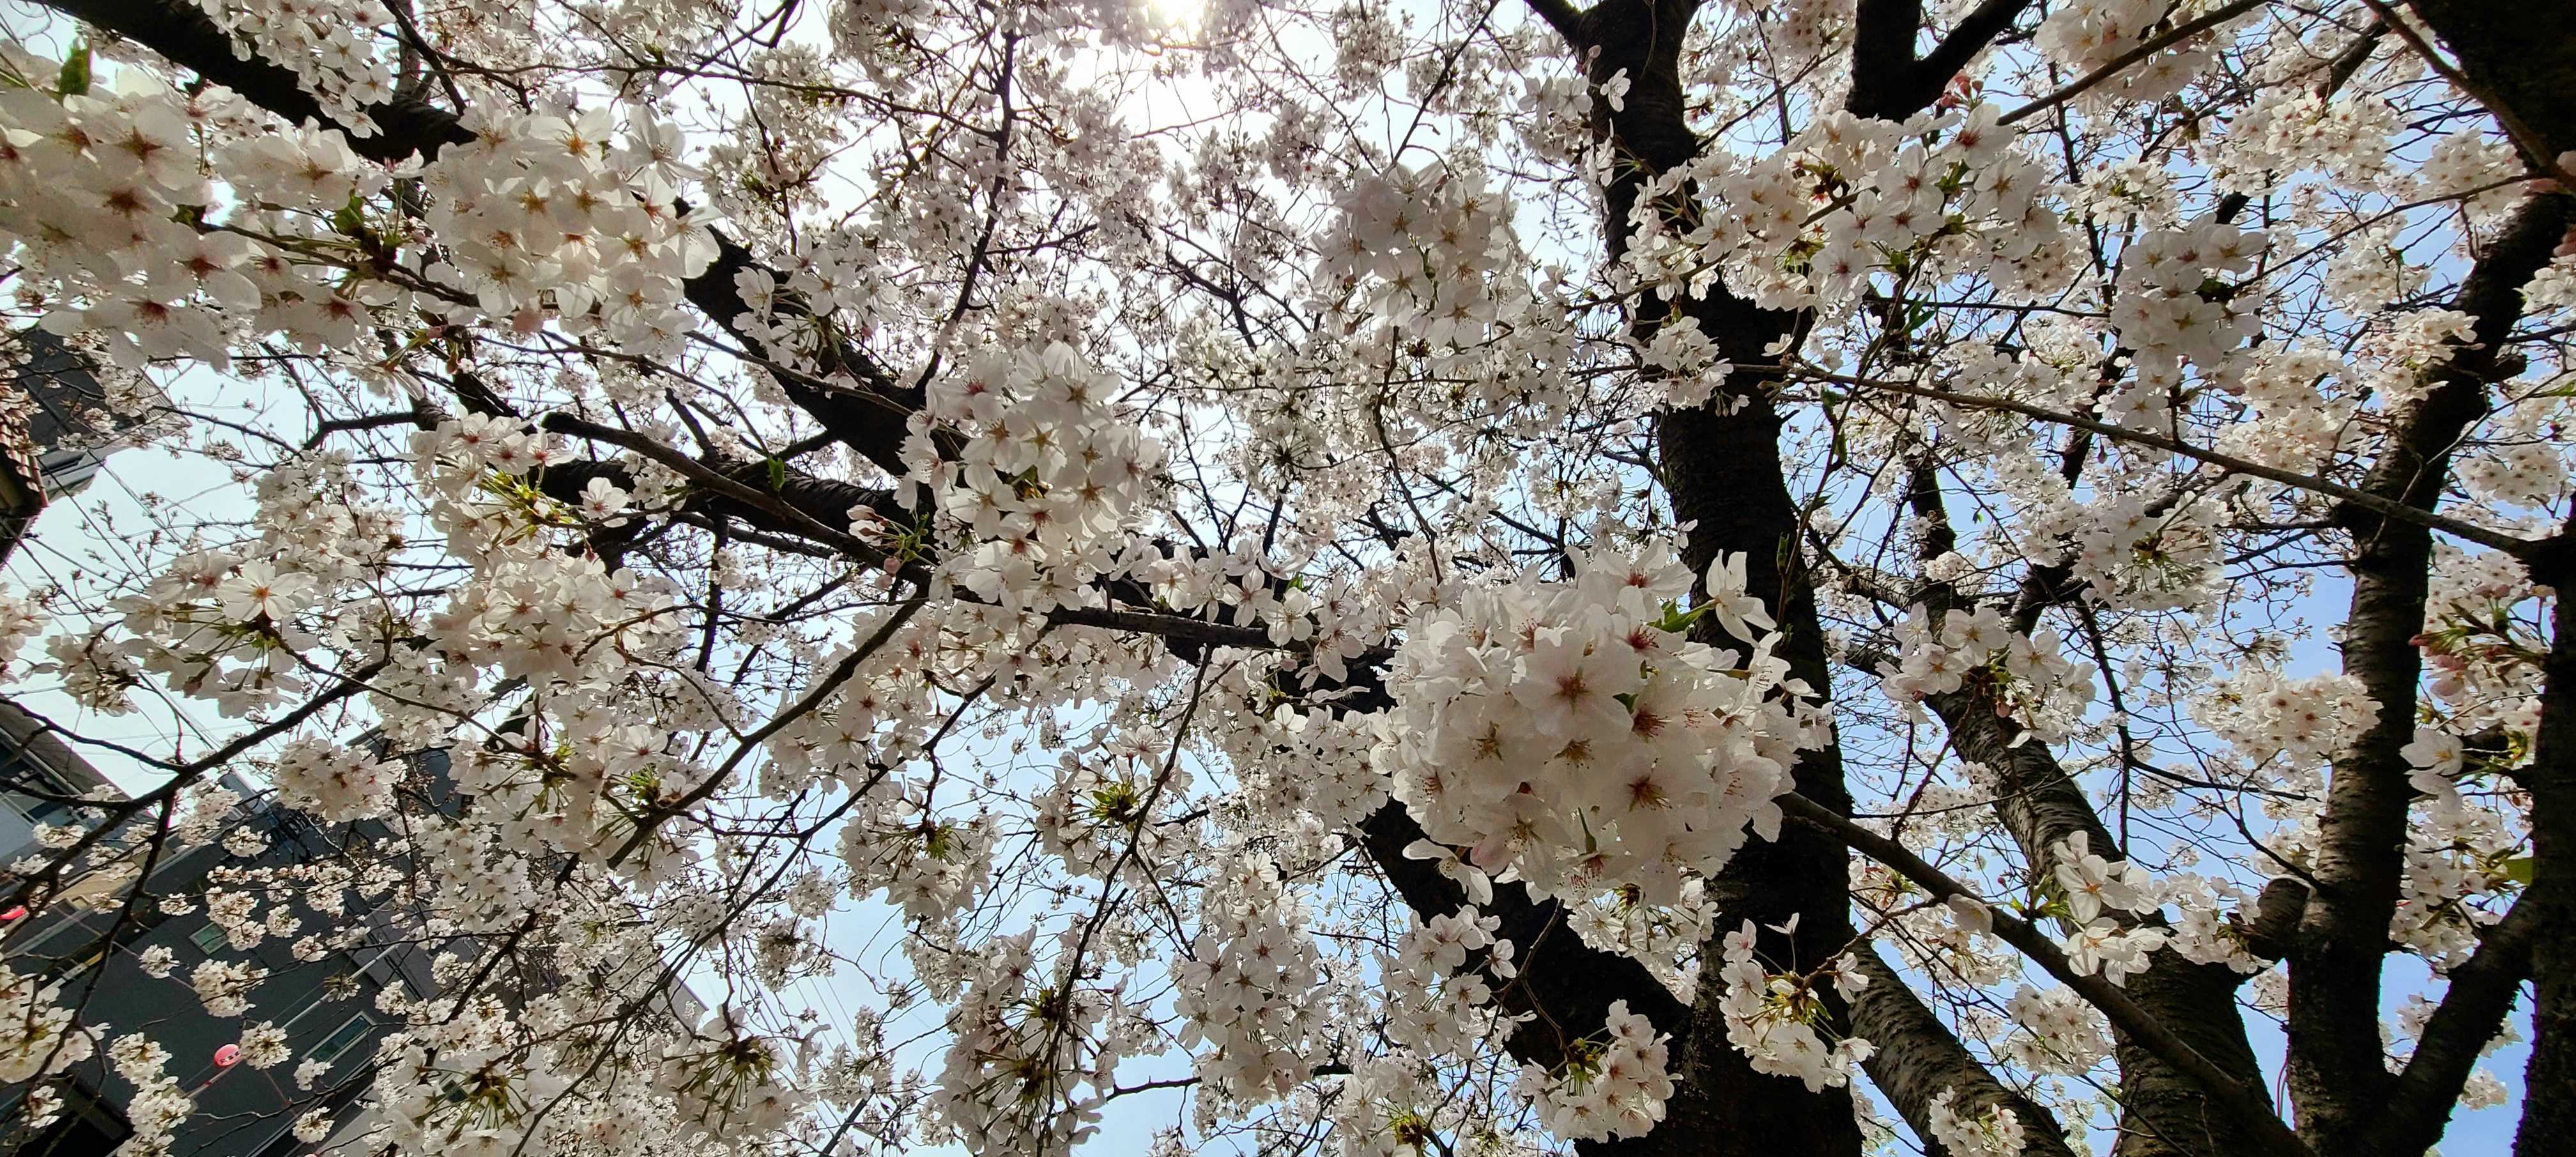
[50,447]
[327,1007]
[37,769]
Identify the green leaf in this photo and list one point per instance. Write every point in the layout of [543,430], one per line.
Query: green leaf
[75,77]
[1676,620]
[351,219]
[777,475]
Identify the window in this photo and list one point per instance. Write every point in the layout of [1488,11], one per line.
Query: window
[85,1124]
[342,1039]
[210,939]
[20,770]
[66,967]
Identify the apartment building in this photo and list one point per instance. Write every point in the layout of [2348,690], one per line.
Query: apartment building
[328,1007]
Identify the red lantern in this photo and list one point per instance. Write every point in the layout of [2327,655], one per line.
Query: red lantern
[227,1056]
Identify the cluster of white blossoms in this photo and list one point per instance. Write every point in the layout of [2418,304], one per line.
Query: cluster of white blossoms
[100,189]
[2460,855]
[475,1076]
[2294,424]
[1994,1131]
[1423,247]
[1572,737]
[1613,1088]
[37,1035]
[2292,129]
[566,215]
[1030,1064]
[1778,1020]
[2481,619]
[1039,483]
[2089,34]
[2135,556]
[2025,674]
[1665,939]
[2175,305]
[2289,725]
[1941,194]
[1440,989]
[2100,895]
[466,1097]
[264,1046]
[543,216]
[728,1083]
[1440,983]
[215,624]
[2208,924]
[333,782]
[159,1105]
[2091,885]
[1246,985]
[925,864]
[2111,949]
[2053,1030]
[2456,864]
[327,42]
[224,987]
[21,619]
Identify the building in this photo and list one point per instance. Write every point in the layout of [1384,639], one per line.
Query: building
[91,939]
[327,1007]
[37,771]
[49,446]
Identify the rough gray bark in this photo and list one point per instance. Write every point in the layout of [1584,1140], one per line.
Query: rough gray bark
[2521,60]
[2549,1078]
[1722,467]
[2337,1079]
[2164,1112]
[1918,1058]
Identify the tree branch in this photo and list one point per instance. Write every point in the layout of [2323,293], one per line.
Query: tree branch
[2250,1109]
[1915,1057]
[2086,82]
[2522,548]
[1561,16]
[867,416]
[1970,36]
[2420,1100]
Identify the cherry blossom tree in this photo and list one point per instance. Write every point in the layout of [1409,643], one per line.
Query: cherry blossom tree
[1466,578]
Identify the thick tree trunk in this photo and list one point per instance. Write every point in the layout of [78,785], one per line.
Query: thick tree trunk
[1723,472]
[2549,1079]
[2337,1077]
[1918,1059]
[2163,1111]
[2521,60]
[1722,468]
